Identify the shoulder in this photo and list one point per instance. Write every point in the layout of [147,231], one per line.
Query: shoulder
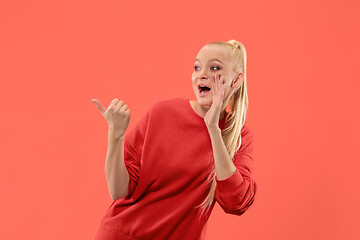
[167,105]
[247,132]
[155,112]
[154,116]
[167,102]
[247,138]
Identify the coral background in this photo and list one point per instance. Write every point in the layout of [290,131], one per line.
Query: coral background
[303,85]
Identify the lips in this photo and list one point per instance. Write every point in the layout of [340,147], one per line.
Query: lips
[204,88]
[205,85]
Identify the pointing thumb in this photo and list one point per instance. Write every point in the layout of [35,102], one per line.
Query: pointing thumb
[98,104]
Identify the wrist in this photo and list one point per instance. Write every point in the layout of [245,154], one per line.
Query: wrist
[214,130]
[113,135]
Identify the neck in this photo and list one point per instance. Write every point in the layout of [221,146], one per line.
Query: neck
[202,113]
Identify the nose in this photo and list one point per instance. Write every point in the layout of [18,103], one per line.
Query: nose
[203,78]
[204,75]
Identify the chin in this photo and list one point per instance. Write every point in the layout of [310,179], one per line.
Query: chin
[204,102]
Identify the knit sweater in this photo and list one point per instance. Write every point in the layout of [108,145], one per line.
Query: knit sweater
[168,155]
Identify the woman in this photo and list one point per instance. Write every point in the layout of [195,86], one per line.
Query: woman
[166,172]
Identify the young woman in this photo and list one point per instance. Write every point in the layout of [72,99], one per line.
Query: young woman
[183,155]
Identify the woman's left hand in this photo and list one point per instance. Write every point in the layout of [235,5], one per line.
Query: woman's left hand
[212,116]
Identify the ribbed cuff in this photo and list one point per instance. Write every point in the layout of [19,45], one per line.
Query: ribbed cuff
[231,182]
[105,233]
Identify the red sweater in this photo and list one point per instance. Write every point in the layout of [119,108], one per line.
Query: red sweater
[168,155]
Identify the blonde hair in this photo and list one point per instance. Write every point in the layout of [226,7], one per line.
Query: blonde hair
[234,122]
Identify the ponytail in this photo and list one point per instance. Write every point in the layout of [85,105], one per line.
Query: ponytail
[234,121]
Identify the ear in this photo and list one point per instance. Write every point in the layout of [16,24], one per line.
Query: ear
[238,80]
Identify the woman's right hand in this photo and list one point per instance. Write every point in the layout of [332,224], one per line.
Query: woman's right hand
[117,116]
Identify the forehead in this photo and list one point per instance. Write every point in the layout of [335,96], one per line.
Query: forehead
[211,52]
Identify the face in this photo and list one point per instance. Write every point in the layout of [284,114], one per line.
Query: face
[208,61]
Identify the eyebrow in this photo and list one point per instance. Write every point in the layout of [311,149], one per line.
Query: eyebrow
[213,59]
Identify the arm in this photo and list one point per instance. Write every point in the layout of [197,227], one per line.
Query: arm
[224,167]
[236,188]
[123,160]
[117,176]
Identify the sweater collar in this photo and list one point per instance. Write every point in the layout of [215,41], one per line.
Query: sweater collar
[200,119]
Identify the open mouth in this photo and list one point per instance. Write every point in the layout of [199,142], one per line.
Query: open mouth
[204,89]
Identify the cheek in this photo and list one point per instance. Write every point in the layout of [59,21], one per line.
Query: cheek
[193,80]
[227,92]
[193,83]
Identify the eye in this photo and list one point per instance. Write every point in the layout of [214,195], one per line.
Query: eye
[216,67]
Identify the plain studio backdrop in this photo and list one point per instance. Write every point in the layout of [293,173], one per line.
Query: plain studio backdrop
[303,85]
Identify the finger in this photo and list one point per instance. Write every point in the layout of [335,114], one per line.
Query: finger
[216,95]
[222,81]
[218,82]
[124,107]
[113,103]
[212,84]
[213,89]
[223,91]
[98,104]
[221,87]
[215,84]
[119,104]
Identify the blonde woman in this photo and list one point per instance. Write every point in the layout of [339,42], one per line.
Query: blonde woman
[167,172]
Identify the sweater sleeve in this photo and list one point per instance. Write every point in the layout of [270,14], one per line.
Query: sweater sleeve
[133,166]
[236,193]
[133,144]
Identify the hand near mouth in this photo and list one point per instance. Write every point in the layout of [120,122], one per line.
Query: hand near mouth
[212,116]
